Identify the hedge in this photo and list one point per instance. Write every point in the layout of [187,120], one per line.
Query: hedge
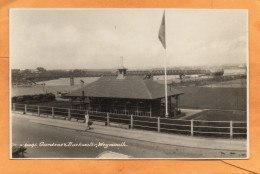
[32,99]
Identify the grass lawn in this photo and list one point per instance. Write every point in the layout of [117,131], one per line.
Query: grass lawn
[213,98]
[219,115]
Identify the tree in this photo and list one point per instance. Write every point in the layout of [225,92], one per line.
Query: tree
[41,69]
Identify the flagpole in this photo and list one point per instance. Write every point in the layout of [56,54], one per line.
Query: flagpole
[165,81]
[162,38]
[165,70]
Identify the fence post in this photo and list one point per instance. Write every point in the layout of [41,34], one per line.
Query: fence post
[25,109]
[159,124]
[108,119]
[191,127]
[39,110]
[13,106]
[231,129]
[52,112]
[69,114]
[132,122]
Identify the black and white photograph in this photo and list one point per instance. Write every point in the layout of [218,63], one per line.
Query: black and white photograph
[129,83]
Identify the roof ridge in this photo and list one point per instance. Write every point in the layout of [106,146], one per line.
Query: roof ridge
[148,91]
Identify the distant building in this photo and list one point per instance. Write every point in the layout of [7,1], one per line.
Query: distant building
[35,71]
[126,94]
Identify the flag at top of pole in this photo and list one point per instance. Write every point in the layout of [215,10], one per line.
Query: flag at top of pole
[161,36]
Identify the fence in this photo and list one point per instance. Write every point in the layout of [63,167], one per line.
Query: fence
[210,80]
[224,129]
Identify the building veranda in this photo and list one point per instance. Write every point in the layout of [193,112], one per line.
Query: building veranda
[126,94]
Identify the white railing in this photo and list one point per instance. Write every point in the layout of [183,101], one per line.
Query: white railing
[231,129]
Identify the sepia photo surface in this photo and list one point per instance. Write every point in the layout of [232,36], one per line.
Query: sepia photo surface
[129,84]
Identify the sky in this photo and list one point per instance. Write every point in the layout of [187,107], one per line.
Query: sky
[98,38]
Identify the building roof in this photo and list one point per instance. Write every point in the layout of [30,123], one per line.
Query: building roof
[132,87]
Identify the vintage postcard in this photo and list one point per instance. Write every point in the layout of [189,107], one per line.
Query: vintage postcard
[129,84]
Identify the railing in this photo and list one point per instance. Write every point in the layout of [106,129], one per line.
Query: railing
[224,129]
[209,80]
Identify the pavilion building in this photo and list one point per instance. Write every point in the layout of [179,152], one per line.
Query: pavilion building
[126,94]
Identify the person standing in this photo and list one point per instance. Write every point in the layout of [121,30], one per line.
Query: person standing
[87,120]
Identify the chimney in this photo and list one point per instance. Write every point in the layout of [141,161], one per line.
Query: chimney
[121,70]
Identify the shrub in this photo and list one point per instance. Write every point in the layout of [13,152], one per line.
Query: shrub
[32,99]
